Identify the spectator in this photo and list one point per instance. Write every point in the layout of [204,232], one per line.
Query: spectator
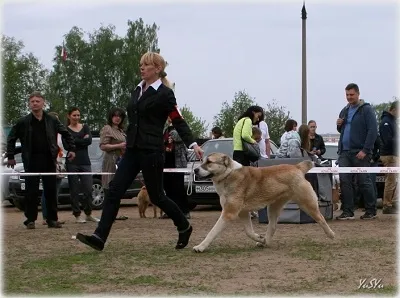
[59,177]
[242,133]
[358,132]
[217,133]
[175,157]
[113,143]
[265,146]
[388,131]
[39,156]
[290,141]
[317,144]
[81,164]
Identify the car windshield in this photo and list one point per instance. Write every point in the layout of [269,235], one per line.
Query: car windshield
[221,146]
[331,152]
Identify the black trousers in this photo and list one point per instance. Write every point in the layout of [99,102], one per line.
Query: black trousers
[174,186]
[78,183]
[43,164]
[151,163]
[241,158]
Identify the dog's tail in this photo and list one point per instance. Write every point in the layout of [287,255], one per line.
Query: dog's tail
[305,166]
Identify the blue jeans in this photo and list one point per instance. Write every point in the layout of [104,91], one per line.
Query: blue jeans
[43,200]
[349,159]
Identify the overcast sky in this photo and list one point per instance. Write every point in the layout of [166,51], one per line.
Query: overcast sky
[215,50]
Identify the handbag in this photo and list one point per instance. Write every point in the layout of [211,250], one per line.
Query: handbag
[60,167]
[251,151]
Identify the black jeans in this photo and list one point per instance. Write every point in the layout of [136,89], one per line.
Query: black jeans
[151,163]
[349,159]
[80,183]
[174,186]
[44,164]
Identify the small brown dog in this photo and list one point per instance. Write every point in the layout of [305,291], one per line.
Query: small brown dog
[143,203]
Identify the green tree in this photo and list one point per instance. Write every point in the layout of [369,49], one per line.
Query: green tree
[196,124]
[275,117]
[101,69]
[229,114]
[22,74]
[379,108]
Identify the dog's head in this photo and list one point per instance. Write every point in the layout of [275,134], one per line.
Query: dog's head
[216,164]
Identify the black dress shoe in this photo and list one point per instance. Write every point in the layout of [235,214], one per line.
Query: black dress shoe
[91,241]
[183,239]
[54,224]
[30,225]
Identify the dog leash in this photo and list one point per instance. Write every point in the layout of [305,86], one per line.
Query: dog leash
[189,190]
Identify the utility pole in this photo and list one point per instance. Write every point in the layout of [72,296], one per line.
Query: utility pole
[303,66]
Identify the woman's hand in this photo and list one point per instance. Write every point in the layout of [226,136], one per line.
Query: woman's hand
[198,151]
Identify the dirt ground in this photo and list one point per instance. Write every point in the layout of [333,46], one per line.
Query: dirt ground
[140,259]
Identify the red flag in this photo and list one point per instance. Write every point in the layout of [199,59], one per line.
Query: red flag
[63,53]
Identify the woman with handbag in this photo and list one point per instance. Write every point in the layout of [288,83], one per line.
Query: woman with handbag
[245,148]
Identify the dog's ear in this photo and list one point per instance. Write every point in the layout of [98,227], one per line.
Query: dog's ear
[226,160]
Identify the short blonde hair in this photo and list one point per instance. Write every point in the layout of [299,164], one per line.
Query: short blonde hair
[158,61]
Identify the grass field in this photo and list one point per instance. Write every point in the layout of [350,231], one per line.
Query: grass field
[140,259]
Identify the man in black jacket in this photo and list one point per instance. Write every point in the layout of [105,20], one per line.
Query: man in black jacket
[389,154]
[317,144]
[37,133]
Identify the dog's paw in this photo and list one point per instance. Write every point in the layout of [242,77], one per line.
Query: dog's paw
[261,238]
[198,248]
[261,244]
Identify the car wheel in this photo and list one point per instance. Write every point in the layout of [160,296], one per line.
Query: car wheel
[97,195]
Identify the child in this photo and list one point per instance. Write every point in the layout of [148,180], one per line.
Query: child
[257,136]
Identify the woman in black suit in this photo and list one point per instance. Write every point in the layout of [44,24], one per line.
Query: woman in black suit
[151,102]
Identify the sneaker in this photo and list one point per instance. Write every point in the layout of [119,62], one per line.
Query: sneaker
[368,215]
[92,218]
[389,210]
[30,225]
[92,241]
[79,219]
[345,216]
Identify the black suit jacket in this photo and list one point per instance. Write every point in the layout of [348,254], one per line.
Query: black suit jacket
[147,116]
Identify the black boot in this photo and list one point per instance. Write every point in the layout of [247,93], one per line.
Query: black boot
[92,241]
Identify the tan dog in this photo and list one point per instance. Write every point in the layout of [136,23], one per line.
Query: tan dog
[271,186]
[143,203]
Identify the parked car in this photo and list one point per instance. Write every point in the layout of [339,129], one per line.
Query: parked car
[5,178]
[202,192]
[16,184]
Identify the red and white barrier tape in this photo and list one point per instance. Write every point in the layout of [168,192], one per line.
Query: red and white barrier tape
[315,170]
